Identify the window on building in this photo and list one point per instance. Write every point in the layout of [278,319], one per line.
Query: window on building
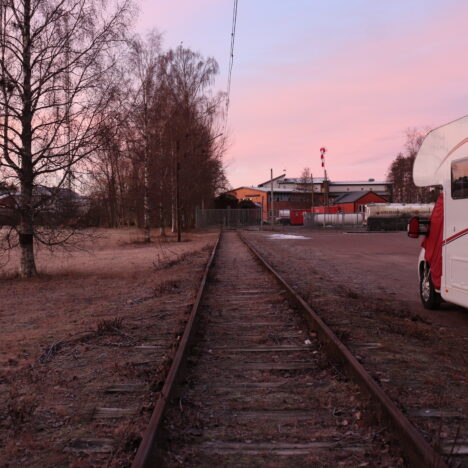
[460,179]
[281,197]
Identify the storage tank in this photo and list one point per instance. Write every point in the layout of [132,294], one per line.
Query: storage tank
[394,216]
[389,210]
[333,219]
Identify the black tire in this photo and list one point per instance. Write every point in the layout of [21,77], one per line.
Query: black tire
[430,298]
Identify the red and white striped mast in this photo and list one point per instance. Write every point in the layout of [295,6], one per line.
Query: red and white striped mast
[325,180]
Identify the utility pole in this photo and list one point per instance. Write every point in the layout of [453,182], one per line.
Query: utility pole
[325,183]
[272,215]
[325,179]
[312,192]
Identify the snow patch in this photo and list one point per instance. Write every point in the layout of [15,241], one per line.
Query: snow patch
[286,236]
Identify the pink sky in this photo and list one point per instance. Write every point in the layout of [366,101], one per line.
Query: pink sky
[353,84]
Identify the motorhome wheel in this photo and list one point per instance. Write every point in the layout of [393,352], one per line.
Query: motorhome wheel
[429,296]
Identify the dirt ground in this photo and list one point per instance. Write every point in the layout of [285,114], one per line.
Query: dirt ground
[365,287]
[84,348]
[371,263]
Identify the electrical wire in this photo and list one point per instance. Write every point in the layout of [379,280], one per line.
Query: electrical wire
[231,56]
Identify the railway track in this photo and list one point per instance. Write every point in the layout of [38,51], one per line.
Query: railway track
[257,387]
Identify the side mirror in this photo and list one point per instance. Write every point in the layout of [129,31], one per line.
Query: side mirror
[414,227]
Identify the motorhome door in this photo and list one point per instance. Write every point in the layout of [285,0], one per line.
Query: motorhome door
[455,247]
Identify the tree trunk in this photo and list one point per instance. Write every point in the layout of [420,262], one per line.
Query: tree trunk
[26,230]
[162,224]
[146,205]
[173,205]
[173,217]
[28,264]
[26,233]
[177,195]
[146,175]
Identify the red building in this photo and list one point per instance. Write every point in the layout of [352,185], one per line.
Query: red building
[355,202]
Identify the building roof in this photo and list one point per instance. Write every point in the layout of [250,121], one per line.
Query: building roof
[280,190]
[363,182]
[292,190]
[382,193]
[274,178]
[318,180]
[296,180]
[259,189]
[266,189]
[351,197]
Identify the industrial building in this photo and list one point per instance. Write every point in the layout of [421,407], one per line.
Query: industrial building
[297,194]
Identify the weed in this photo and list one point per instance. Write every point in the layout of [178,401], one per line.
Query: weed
[409,328]
[165,287]
[50,351]
[109,326]
[350,293]
[343,335]
[20,408]
[162,263]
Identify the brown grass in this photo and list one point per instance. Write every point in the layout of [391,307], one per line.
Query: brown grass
[67,334]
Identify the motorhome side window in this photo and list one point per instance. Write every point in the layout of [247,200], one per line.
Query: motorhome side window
[460,178]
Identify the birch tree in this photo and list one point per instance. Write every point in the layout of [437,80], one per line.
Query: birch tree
[145,59]
[52,54]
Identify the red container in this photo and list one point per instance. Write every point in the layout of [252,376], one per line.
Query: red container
[297,217]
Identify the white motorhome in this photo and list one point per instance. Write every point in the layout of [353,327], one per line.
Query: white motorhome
[443,262]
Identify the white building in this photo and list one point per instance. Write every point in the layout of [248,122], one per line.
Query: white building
[283,184]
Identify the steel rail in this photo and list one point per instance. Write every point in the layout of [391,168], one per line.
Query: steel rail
[419,451]
[145,456]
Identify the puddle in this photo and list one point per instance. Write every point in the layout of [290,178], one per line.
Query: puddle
[286,236]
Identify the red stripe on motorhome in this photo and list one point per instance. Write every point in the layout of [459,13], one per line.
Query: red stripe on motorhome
[455,236]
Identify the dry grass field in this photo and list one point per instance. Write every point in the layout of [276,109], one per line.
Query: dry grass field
[80,327]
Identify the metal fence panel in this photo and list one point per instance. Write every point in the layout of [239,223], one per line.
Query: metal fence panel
[228,218]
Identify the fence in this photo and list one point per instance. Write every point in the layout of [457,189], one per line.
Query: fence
[337,220]
[228,218]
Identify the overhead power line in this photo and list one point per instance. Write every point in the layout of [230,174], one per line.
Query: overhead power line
[231,55]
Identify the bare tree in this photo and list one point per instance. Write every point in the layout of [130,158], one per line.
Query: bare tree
[187,75]
[165,157]
[400,173]
[52,54]
[145,59]
[306,185]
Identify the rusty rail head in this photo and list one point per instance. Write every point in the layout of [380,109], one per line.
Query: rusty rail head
[419,452]
[145,456]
